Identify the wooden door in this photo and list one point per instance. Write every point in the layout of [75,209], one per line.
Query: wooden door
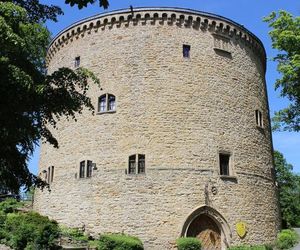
[204,228]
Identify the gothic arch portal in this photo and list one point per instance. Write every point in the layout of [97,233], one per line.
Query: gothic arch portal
[210,226]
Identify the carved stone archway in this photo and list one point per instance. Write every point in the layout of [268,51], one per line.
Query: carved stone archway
[209,226]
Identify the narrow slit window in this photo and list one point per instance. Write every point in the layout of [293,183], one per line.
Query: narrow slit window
[45,174]
[224,164]
[89,168]
[52,173]
[77,61]
[81,169]
[49,174]
[132,164]
[259,118]
[141,164]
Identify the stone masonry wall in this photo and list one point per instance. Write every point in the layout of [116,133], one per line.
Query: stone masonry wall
[179,112]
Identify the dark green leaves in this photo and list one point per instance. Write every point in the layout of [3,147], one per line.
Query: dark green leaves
[36,11]
[30,101]
[285,36]
[84,3]
[289,191]
[29,231]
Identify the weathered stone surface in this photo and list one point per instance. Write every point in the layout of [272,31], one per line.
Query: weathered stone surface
[179,112]
[4,247]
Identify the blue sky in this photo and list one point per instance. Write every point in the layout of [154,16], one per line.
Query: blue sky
[246,12]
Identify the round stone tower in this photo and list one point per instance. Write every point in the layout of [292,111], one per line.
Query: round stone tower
[180,144]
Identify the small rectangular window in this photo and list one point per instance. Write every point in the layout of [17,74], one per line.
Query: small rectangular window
[132,165]
[89,169]
[77,62]
[224,163]
[186,50]
[259,118]
[49,174]
[141,164]
[81,169]
[102,103]
[111,102]
[52,173]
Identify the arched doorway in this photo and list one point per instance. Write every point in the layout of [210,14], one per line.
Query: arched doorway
[205,229]
[209,226]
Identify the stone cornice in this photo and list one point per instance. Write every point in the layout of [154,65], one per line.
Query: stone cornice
[182,17]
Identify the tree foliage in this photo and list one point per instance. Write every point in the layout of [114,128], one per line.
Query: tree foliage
[289,191]
[37,12]
[30,99]
[285,36]
[29,231]
[84,3]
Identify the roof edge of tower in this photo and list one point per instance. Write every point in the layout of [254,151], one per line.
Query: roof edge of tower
[241,28]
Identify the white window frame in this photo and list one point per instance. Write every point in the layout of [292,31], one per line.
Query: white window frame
[259,119]
[138,160]
[106,103]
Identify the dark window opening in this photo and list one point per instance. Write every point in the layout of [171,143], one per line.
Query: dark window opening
[46,174]
[106,102]
[136,164]
[86,169]
[111,102]
[81,169]
[89,169]
[102,103]
[131,164]
[77,62]
[52,173]
[141,164]
[224,164]
[186,51]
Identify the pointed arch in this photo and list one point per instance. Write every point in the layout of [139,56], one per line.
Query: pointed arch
[215,216]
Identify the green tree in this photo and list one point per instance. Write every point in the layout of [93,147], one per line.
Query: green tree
[30,100]
[289,191]
[29,231]
[285,36]
[37,12]
[84,3]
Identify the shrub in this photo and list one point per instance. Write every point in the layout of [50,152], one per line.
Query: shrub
[257,247]
[286,239]
[2,218]
[188,243]
[9,205]
[30,231]
[119,242]
[74,234]
[239,248]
